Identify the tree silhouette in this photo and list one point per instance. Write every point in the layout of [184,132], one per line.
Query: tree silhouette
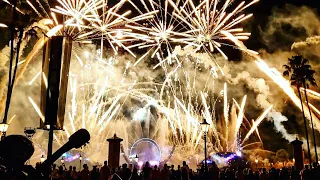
[309,80]
[301,75]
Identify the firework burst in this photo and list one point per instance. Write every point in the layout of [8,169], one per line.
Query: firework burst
[156,35]
[206,23]
[86,21]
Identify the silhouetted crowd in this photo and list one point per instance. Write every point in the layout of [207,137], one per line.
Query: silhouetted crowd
[182,173]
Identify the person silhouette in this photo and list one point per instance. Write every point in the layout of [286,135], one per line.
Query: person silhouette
[15,150]
[295,174]
[146,171]
[184,171]
[105,171]
[213,172]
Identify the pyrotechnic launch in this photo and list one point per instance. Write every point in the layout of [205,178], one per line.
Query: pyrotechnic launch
[160,81]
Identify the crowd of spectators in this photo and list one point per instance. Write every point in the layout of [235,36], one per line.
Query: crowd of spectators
[183,173]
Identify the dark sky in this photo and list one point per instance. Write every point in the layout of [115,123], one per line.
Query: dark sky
[263,10]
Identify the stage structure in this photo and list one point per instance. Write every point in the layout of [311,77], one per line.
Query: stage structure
[54,83]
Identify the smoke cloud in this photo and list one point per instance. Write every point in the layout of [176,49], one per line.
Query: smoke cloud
[291,30]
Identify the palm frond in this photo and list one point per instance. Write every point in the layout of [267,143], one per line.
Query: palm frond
[286,73]
[300,71]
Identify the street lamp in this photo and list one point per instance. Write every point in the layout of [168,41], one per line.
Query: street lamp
[42,159]
[80,158]
[136,158]
[256,163]
[3,130]
[205,129]
[29,132]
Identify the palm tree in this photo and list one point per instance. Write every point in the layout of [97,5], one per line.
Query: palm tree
[309,79]
[301,75]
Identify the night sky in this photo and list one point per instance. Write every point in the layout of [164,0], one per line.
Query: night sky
[262,12]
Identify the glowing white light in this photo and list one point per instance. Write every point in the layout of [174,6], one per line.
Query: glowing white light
[3,25]
[239,153]
[119,35]
[141,114]
[86,54]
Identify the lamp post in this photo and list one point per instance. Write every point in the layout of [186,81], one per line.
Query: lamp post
[205,129]
[42,159]
[80,158]
[256,163]
[3,130]
[29,132]
[136,159]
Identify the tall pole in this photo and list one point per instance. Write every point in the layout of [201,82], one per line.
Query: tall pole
[310,114]
[3,135]
[12,29]
[80,158]
[50,141]
[305,125]
[205,129]
[29,132]
[50,146]
[205,153]
[4,125]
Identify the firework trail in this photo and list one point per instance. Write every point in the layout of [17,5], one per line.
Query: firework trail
[312,93]
[276,76]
